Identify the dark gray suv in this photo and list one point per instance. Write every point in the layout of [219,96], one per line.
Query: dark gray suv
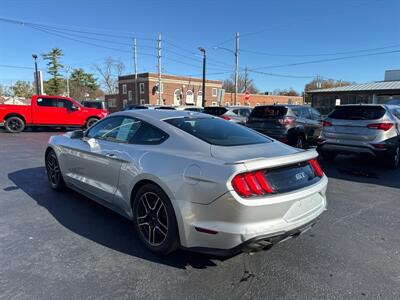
[295,125]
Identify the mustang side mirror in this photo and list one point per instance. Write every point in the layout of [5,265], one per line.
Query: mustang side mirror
[74,108]
[77,134]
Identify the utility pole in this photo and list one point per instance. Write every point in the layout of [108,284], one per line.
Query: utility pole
[318,82]
[67,68]
[236,65]
[160,102]
[135,67]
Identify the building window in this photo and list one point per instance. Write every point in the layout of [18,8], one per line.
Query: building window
[227,104]
[214,92]
[130,95]
[237,103]
[124,89]
[124,103]
[199,99]
[177,97]
[214,103]
[189,97]
[142,102]
[112,103]
[141,87]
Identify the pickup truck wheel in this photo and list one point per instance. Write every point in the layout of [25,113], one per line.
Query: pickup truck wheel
[90,122]
[14,124]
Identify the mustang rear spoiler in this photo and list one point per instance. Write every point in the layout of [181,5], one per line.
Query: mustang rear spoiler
[271,162]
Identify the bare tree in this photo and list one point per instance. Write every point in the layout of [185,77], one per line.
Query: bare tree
[109,71]
[244,83]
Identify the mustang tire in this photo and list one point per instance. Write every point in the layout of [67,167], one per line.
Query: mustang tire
[154,220]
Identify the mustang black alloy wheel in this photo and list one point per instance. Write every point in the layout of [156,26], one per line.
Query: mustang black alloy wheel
[53,171]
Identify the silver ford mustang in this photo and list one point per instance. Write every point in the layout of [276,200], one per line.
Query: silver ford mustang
[190,180]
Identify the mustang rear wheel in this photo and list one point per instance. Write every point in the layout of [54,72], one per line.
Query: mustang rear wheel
[53,171]
[14,124]
[154,220]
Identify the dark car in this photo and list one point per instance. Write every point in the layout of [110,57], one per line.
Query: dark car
[133,107]
[295,125]
[98,104]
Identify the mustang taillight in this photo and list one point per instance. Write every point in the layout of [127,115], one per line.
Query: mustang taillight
[257,183]
[316,167]
[251,184]
[381,126]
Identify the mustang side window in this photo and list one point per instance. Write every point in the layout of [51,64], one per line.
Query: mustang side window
[148,135]
[116,129]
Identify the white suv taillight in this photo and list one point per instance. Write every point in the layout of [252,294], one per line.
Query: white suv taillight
[380,126]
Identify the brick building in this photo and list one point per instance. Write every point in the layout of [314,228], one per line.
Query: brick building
[175,91]
[258,99]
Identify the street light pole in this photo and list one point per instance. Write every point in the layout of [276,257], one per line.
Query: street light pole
[67,68]
[203,91]
[236,65]
[36,74]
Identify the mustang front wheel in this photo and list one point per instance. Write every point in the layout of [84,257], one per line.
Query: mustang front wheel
[53,171]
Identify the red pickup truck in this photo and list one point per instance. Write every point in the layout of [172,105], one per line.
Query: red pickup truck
[47,110]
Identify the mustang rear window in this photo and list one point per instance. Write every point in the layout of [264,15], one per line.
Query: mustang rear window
[357,112]
[216,131]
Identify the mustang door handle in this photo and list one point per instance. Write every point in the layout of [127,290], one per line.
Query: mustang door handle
[111,155]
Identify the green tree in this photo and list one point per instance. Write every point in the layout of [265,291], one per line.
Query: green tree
[55,85]
[82,83]
[23,89]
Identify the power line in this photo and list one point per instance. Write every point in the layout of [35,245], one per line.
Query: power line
[280,75]
[18,22]
[193,53]
[325,60]
[66,36]
[319,54]
[16,67]
[293,22]
[308,18]
[79,41]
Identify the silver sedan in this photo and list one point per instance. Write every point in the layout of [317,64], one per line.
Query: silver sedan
[190,180]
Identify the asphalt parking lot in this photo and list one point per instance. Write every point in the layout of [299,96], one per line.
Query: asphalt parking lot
[56,245]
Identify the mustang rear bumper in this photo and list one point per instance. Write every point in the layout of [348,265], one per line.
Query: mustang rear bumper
[257,243]
[232,224]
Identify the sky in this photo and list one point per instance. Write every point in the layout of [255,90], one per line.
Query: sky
[283,43]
